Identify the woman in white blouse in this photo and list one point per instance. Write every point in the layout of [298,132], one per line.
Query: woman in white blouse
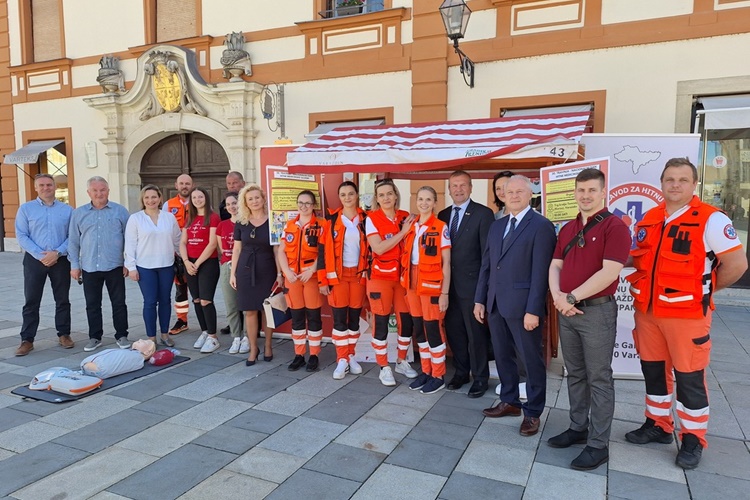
[151,238]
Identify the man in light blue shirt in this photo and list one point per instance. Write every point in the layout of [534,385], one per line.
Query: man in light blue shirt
[96,246]
[42,232]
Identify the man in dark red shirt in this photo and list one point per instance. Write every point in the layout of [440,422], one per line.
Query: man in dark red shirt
[590,253]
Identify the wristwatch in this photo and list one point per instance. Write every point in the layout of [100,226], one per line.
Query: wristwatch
[571,299]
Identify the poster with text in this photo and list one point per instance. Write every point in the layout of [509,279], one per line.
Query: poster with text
[283,188]
[558,189]
[636,163]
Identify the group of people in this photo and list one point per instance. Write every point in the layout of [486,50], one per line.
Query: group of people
[464,277]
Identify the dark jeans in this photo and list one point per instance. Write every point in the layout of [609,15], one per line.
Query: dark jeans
[93,283]
[156,287]
[34,276]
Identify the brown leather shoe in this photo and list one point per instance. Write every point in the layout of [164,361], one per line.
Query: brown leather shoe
[66,341]
[529,426]
[25,348]
[502,410]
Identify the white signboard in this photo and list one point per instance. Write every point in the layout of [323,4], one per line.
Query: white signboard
[636,163]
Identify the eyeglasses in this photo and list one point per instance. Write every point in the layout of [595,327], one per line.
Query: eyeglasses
[381,182]
[581,240]
[305,204]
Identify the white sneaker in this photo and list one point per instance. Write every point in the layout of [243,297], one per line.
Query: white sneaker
[341,369]
[354,367]
[201,340]
[244,346]
[210,345]
[404,368]
[235,346]
[522,391]
[386,376]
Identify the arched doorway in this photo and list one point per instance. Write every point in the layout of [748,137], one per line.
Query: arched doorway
[188,153]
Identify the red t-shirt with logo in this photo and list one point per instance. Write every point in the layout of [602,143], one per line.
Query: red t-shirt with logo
[225,231]
[199,236]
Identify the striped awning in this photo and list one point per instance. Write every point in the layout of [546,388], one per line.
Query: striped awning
[440,146]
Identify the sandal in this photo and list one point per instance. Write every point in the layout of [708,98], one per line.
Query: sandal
[167,341]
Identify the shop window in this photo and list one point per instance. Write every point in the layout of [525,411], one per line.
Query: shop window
[343,8]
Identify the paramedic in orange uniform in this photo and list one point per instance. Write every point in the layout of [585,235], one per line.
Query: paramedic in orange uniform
[341,272]
[299,264]
[686,249]
[426,276]
[386,227]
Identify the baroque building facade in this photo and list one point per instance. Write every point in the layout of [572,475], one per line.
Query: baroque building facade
[156,88]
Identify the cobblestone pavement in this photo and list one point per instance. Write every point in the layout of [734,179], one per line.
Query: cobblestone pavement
[214,428]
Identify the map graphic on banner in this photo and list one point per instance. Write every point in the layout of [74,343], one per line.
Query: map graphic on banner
[636,163]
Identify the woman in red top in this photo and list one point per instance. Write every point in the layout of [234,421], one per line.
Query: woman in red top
[385,228]
[426,260]
[198,250]
[225,244]
[299,263]
[342,275]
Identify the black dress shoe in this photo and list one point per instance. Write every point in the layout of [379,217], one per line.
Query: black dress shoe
[226,330]
[312,363]
[477,389]
[456,383]
[568,438]
[297,363]
[590,458]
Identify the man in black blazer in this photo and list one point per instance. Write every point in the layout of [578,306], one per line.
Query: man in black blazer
[515,264]
[469,223]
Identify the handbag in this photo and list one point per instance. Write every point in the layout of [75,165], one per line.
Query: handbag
[275,308]
[180,272]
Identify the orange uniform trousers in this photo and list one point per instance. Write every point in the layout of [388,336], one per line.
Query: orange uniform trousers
[682,345]
[305,301]
[426,315]
[346,299]
[387,296]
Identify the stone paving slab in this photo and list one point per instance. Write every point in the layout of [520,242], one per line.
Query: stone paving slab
[343,407]
[88,476]
[631,486]
[258,389]
[436,432]
[34,407]
[312,485]
[97,407]
[270,465]
[568,484]
[425,457]
[157,384]
[161,439]
[706,485]
[29,435]
[36,464]
[289,403]
[320,384]
[174,474]
[259,421]
[649,462]
[396,413]
[374,435]
[497,462]
[206,387]
[165,405]
[230,439]
[389,481]
[462,486]
[10,418]
[303,437]
[209,414]
[346,462]
[104,433]
[227,484]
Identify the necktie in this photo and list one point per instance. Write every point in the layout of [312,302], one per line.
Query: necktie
[454,222]
[512,227]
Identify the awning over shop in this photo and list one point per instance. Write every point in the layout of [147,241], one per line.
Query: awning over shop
[726,112]
[440,146]
[30,152]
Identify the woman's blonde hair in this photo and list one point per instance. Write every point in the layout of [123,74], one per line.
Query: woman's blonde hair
[149,187]
[430,190]
[243,211]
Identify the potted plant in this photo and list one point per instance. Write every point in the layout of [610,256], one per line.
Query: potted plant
[349,7]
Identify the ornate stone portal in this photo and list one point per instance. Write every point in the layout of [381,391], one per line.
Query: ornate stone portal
[110,77]
[169,97]
[234,58]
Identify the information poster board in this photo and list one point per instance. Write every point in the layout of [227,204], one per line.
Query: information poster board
[558,189]
[636,165]
[283,188]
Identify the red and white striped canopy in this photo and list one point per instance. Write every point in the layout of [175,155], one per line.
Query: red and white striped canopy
[438,146]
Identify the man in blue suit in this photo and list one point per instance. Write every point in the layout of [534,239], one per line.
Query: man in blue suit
[511,293]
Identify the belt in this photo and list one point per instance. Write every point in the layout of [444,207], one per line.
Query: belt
[595,302]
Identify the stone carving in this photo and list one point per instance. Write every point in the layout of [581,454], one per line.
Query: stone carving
[169,92]
[110,77]
[235,59]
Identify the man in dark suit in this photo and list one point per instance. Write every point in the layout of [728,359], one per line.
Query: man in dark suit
[515,264]
[469,223]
